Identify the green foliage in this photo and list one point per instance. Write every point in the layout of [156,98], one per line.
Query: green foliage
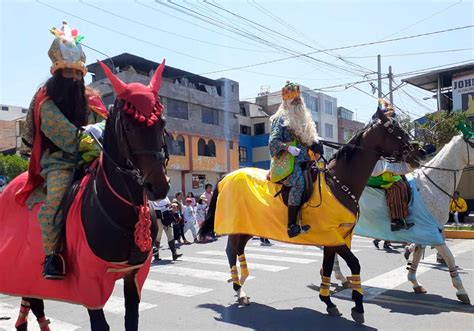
[12,165]
[441,127]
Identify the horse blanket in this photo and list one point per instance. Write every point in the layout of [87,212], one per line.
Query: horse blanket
[246,204]
[89,280]
[374,220]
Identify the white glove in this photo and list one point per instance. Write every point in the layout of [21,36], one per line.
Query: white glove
[295,151]
[94,130]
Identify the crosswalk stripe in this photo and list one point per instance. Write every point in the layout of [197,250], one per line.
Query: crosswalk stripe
[190,272]
[173,288]
[252,265]
[389,280]
[283,251]
[10,311]
[278,244]
[264,257]
[116,305]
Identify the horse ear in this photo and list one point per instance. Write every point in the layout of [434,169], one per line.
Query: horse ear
[380,115]
[118,86]
[155,82]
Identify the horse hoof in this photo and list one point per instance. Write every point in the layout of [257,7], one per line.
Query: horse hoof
[419,290]
[346,284]
[357,317]
[244,301]
[333,311]
[464,298]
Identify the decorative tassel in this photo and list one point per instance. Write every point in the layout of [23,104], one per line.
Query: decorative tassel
[142,228]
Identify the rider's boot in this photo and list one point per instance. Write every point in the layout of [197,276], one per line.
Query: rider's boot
[172,246]
[293,228]
[54,267]
[156,251]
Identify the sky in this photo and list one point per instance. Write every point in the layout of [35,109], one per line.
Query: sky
[267,30]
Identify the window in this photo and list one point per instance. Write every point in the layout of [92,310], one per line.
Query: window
[244,129]
[232,87]
[345,114]
[175,146]
[231,144]
[201,147]
[328,107]
[177,109]
[328,130]
[317,126]
[243,111]
[5,108]
[242,154]
[259,128]
[311,103]
[210,116]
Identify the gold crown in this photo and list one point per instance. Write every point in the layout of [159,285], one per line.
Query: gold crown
[290,91]
[65,51]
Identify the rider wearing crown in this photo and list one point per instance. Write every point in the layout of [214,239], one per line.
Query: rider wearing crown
[60,108]
[293,133]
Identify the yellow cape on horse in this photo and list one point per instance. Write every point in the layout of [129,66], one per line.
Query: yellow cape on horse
[247,205]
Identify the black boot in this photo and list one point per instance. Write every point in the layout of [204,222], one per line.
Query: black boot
[293,228]
[54,267]
[156,251]
[172,246]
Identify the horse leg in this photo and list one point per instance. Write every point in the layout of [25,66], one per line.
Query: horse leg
[456,279]
[244,271]
[324,293]
[22,320]
[417,287]
[338,274]
[132,301]
[97,319]
[37,307]
[357,312]
[231,252]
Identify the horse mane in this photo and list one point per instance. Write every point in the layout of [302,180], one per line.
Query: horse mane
[346,152]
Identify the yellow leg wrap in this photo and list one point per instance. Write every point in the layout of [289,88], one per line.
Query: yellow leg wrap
[325,285]
[234,275]
[355,283]
[244,271]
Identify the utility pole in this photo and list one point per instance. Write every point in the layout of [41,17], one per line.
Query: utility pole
[390,84]
[379,76]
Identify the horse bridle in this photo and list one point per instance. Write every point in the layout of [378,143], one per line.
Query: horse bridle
[406,149]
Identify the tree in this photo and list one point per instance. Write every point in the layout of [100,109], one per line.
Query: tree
[441,127]
[11,166]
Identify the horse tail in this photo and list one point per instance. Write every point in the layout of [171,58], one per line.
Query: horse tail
[207,227]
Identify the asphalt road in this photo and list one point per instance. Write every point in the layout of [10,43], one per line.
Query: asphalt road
[193,294]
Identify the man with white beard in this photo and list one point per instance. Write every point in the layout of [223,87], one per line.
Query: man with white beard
[293,133]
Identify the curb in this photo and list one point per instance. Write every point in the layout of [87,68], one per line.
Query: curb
[459,234]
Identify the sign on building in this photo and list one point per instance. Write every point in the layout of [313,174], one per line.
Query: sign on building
[463,92]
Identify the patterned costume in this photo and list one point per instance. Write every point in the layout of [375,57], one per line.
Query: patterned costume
[53,156]
[292,134]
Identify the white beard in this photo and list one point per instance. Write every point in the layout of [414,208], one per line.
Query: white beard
[298,120]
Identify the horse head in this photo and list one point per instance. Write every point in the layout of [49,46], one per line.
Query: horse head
[394,142]
[139,127]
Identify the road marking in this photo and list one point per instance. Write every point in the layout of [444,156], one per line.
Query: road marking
[252,265]
[190,272]
[173,288]
[283,251]
[389,280]
[116,305]
[9,310]
[264,257]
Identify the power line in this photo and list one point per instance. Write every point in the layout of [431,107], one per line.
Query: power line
[410,54]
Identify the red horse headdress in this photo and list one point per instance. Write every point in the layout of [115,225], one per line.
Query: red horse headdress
[141,101]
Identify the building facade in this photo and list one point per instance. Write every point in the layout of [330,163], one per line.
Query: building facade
[254,128]
[200,117]
[346,125]
[10,121]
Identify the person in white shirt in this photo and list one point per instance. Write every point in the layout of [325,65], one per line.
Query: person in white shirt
[165,220]
[189,216]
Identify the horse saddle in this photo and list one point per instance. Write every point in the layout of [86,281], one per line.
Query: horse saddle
[310,173]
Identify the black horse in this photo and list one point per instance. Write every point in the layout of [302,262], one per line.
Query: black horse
[347,174]
[132,168]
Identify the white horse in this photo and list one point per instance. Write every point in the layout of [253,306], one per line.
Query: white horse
[436,186]
[436,181]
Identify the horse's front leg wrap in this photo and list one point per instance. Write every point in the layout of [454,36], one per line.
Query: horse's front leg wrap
[23,315]
[244,271]
[325,286]
[43,324]
[417,287]
[234,276]
[355,283]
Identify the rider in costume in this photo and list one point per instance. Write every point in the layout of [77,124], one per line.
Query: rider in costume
[61,109]
[293,131]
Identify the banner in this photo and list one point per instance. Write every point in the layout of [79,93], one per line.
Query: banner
[463,92]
